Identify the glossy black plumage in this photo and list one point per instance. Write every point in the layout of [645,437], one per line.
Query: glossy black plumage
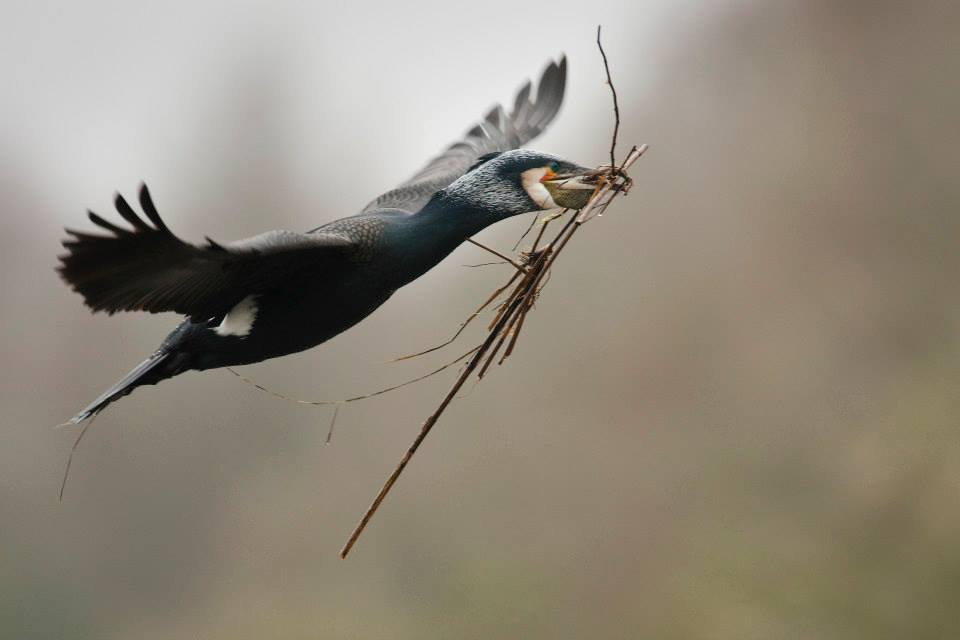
[150,269]
[283,291]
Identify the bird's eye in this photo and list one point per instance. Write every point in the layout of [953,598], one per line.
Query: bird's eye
[550,170]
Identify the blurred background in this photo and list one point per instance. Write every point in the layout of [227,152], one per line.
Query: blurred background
[734,413]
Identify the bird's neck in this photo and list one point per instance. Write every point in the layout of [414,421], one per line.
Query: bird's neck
[455,216]
[431,234]
[447,220]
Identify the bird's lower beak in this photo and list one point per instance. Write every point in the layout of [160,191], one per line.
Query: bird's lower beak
[573,191]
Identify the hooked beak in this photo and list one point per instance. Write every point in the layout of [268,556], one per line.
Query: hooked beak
[572,190]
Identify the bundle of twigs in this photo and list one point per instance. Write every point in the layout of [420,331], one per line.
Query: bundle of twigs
[532,271]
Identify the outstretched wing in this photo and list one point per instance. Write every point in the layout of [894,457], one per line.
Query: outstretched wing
[147,268]
[497,132]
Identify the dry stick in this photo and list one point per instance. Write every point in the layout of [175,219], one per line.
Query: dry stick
[516,332]
[526,308]
[463,325]
[529,297]
[616,106]
[546,281]
[543,229]
[534,268]
[333,421]
[73,450]
[520,239]
[509,316]
[523,293]
[535,259]
[519,267]
[505,305]
[533,222]
[318,403]
[594,202]
[510,321]
[424,431]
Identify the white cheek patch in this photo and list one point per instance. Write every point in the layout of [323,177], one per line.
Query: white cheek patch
[239,320]
[535,189]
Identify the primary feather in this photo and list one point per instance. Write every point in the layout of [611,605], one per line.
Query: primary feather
[148,268]
[497,132]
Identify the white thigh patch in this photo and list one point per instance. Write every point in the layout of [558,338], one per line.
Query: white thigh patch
[239,320]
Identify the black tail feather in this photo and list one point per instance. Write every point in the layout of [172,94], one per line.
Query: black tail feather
[149,371]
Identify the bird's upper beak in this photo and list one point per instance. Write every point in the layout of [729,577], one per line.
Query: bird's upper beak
[572,190]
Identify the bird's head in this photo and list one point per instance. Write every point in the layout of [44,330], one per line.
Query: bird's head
[519,181]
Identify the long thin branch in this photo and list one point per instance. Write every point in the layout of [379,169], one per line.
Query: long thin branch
[616,105]
[505,258]
[529,228]
[372,394]
[73,450]
[463,325]
[424,431]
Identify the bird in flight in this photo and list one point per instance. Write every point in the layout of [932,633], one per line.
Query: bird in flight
[281,292]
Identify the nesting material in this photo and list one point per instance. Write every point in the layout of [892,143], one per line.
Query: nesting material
[516,298]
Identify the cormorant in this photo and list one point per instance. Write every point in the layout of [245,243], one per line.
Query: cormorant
[282,291]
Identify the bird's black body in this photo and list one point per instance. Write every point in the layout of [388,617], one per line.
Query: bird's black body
[284,292]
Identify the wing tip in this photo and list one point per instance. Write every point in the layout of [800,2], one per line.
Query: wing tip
[512,130]
[149,208]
